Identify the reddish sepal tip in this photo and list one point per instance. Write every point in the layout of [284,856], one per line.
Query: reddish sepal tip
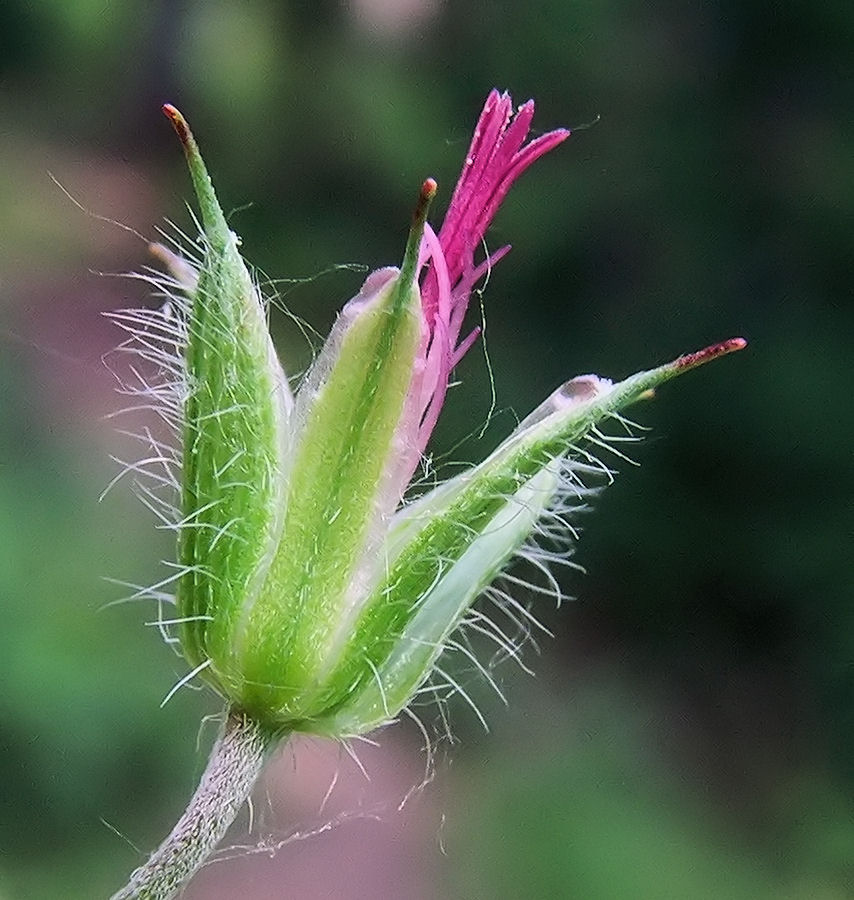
[178,122]
[711,352]
[425,198]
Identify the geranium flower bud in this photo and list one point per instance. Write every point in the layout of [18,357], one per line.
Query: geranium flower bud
[310,594]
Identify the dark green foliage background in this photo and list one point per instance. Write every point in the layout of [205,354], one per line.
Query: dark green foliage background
[691,729]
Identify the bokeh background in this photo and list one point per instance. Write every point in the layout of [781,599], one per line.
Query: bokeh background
[690,730]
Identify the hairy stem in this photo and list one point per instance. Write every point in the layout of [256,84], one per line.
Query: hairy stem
[235,763]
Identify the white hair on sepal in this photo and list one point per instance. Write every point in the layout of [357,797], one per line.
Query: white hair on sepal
[582,477]
[158,337]
[508,621]
[149,369]
[162,599]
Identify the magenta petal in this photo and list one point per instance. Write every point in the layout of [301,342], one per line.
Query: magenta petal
[496,157]
[521,161]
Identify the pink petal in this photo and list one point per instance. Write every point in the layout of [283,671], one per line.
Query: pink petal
[496,157]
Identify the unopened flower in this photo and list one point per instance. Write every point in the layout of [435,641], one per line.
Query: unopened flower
[311,595]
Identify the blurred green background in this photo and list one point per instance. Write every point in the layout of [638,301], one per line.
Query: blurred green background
[690,731]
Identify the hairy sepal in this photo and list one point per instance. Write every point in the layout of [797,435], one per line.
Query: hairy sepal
[235,420]
[350,429]
[450,544]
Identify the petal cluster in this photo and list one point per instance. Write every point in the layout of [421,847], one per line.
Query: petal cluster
[497,156]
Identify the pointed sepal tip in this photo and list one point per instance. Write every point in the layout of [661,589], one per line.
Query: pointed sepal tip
[713,351]
[179,123]
[409,265]
[213,219]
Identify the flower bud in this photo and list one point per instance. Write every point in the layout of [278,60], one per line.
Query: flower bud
[310,596]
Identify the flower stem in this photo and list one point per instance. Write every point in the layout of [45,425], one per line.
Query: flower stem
[235,763]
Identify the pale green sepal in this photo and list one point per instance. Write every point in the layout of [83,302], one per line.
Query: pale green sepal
[235,421]
[443,607]
[347,429]
[454,519]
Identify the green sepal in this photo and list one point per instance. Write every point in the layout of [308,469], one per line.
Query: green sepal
[235,419]
[353,417]
[471,526]
[347,417]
